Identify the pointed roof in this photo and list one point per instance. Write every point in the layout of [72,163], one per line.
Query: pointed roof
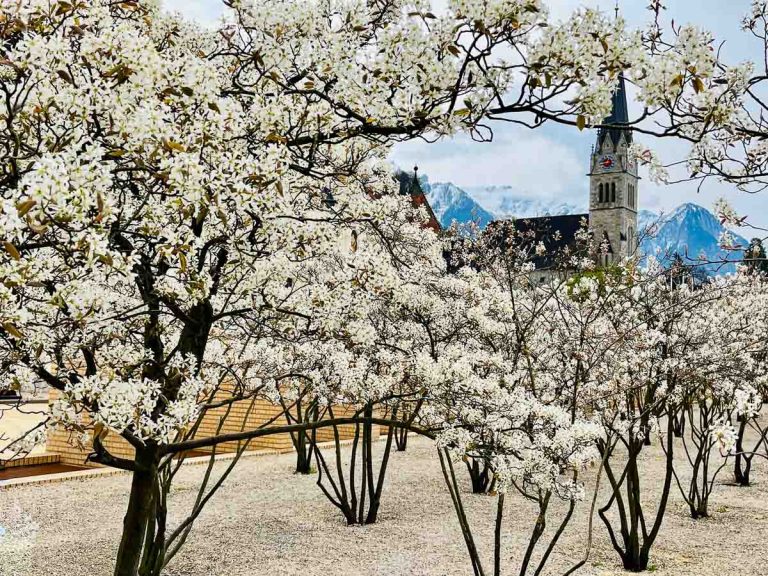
[619,115]
[415,189]
[411,186]
[557,233]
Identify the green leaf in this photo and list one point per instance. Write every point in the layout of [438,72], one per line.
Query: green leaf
[66,76]
[274,137]
[172,145]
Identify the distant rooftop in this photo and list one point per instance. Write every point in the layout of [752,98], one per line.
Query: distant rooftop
[556,233]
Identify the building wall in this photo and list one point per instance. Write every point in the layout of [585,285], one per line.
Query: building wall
[548,275]
[66,445]
[244,415]
[616,222]
[617,218]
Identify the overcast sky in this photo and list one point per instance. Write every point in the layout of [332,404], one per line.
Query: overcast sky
[551,162]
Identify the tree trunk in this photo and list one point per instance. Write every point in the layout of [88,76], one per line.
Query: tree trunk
[301,439]
[742,470]
[636,560]
[303,454]
[359,503]
[742,464]
[678,424]
[635,541]
[401,439]
[139,514]
[479,475]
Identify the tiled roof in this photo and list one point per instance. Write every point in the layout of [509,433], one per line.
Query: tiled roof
[409,185]
[557,233]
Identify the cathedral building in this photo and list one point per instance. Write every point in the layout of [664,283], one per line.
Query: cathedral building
[613,207]
[613,183]
[613,201]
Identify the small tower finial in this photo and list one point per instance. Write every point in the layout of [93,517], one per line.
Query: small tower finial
[616,9]
[415,187]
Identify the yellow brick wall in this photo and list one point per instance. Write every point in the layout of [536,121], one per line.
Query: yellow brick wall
[346,431]
[65,445]
[245,415]
[254,413]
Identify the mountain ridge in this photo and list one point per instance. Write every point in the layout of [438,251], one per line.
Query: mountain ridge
[689,230]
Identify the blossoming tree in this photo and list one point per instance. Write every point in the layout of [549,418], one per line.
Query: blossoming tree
[166,221]
[196,217]
[166,226]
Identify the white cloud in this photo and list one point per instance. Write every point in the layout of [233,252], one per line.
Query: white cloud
[205,11]
[534,164]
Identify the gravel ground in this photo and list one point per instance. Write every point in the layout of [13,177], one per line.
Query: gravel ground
[265,520]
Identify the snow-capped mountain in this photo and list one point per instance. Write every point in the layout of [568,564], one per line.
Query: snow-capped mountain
[452,204]
[462,205]
[646,218]
[690,230]
[530,208]
[507,202]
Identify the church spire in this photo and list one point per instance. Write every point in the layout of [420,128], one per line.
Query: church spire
[415,184]
[619,115]
[411,186]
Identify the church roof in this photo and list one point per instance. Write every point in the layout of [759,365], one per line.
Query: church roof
[557,233]
[619,115]
[410,185]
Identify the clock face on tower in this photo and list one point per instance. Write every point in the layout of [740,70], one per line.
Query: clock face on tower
[607,162]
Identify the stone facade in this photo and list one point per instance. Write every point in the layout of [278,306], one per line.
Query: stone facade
[613,184]
[613,199]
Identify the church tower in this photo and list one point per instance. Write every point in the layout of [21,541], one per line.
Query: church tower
[613,184]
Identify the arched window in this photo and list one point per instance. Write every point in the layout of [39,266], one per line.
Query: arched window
[613,191]
[630,240]
[600,194]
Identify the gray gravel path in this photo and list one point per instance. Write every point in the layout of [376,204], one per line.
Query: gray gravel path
[267,521]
